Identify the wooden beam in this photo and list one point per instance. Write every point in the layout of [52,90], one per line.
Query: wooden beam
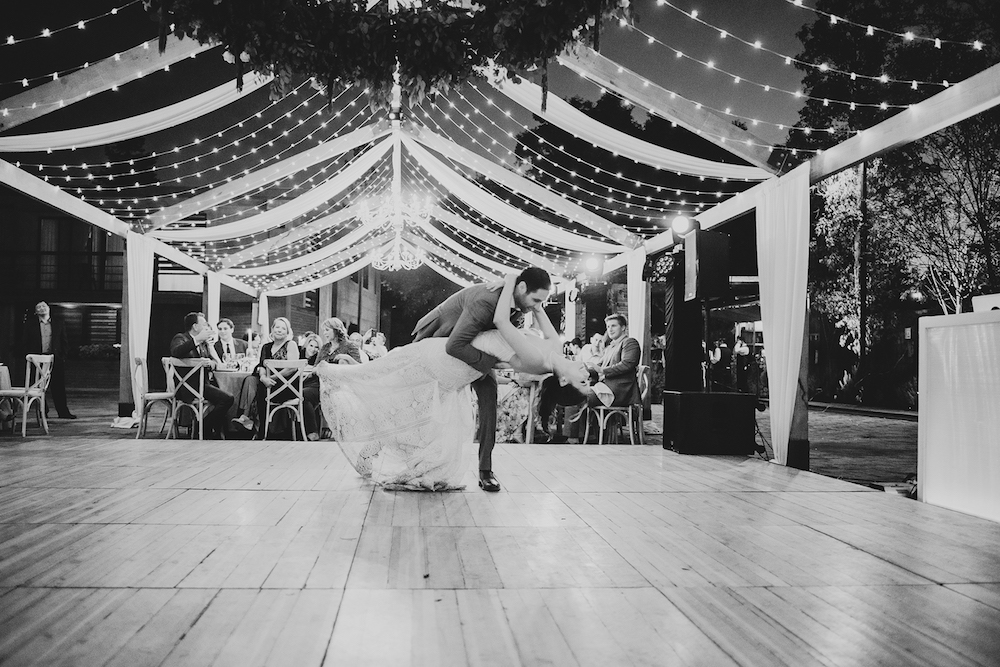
[706,124]
[952,105]
[97,78]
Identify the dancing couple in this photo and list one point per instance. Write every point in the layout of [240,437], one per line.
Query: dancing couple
[405,420]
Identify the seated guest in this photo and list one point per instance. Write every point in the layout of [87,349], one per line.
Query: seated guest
[228,347]
[616,379]
[335,344]
[592,353]
[192,344]
[375,345]
[358,341]
[281,348]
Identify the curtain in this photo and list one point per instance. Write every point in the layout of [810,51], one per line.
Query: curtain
[287,212]
[296,233]
[579,124]
[526,187]
[636,292]
[570,310]
[214,294]
[262,177]
[351,268]
[139,264]
[783,262]
[263,316]
[135,126]
[498,210]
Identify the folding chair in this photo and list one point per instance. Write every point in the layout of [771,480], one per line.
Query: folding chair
[186,378]
[629,415]
[38,366]
[296,405]
[147,399]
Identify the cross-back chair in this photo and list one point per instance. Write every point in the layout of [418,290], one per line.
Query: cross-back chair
[39,367]
[627,416]
[186,379]
[147,399]
[273,368]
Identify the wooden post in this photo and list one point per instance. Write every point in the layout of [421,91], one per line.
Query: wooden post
[126,402]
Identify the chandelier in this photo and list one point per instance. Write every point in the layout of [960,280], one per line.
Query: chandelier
[400,256]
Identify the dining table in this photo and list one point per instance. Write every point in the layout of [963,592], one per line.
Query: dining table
[234,383]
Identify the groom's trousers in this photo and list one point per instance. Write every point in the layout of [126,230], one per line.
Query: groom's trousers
[486,392]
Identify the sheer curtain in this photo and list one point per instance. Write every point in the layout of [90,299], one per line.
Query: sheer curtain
[139,258]
[783,262]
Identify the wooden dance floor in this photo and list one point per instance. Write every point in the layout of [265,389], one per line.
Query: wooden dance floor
[153,552]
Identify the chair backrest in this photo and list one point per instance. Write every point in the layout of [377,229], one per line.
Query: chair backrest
[187,375]
[273,369]
[140,378]
[642,376]
[38,366]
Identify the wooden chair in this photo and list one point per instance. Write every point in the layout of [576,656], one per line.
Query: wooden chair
[186,380]
[38,366]
[629,415]
[296,405]
[147,399]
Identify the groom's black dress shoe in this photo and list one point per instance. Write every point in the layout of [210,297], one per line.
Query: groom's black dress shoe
[487,482]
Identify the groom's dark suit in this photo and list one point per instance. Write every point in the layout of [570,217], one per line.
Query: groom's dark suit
[461,318]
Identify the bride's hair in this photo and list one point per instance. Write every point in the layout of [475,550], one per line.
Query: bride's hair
[551,394]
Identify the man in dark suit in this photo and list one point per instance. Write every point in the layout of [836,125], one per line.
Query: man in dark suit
[192,344]
[44,335]
[461,318]
[226,343]
[618,365]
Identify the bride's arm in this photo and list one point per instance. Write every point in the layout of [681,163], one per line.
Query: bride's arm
[528,358]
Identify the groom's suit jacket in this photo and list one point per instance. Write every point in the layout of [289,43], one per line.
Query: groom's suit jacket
[461,317]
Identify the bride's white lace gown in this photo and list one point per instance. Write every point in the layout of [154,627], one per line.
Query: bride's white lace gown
[405,420]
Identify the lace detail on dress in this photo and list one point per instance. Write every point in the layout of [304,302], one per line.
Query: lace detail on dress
[404,419]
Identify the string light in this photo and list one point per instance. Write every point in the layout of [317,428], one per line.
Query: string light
[79,25]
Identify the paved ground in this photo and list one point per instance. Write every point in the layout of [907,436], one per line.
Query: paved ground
[852,447]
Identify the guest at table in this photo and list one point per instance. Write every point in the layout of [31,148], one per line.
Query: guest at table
[358,341]
[374,345]
[45,335]
[592,353]
[336,348]
[193,344]
[228,347]
[281,348]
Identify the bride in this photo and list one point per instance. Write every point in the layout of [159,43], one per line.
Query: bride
[406,421]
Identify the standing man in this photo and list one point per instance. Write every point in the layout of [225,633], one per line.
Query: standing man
[194,343]
[226,343]
[43,335]
[460,319]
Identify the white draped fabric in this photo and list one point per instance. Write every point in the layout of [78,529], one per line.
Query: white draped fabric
[483,234]
[500,211]
[454,259]
[263,316]
[526,187]
[349,239]
[783,262]
[214,294]
[348,270]
[579,124]
[274,244]
[262,177]
[139,264]
[349,251]
[440,270]
[636,291]
[443,239]
[570,310]
[287,212]
[136,126]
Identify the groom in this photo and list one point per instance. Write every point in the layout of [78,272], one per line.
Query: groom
[460,318]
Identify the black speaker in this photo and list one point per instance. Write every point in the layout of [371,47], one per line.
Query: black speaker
[700,423]
[706,268]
